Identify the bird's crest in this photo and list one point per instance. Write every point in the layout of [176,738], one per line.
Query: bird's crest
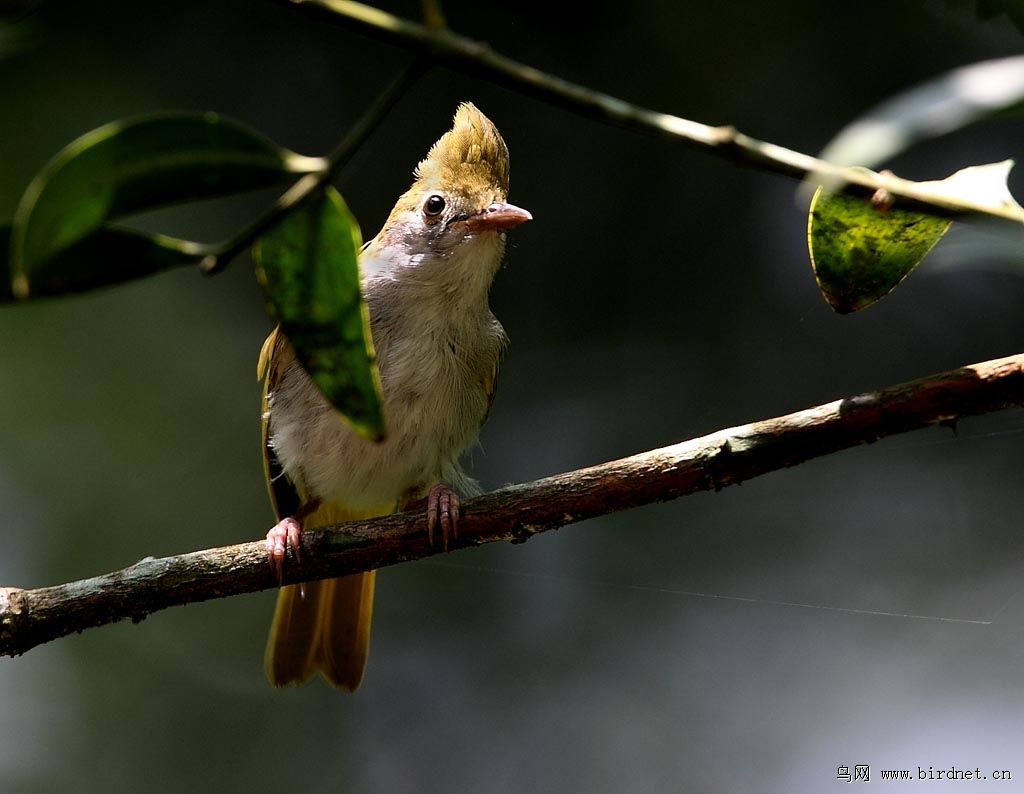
[471,155]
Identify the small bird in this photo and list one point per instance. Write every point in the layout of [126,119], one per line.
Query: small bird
[425,278]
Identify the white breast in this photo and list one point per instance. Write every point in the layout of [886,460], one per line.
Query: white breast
[433,374]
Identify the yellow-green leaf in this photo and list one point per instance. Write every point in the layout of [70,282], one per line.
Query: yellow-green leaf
[860,252]
[308,267]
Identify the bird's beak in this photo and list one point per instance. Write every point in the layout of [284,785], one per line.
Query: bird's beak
[497,218]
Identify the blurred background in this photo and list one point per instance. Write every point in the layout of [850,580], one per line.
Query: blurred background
[866,608]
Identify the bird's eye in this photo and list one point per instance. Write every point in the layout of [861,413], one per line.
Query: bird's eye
[434,206]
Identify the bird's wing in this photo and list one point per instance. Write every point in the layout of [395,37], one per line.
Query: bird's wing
[274,356]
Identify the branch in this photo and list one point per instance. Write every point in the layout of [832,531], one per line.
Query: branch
[516,513]
[307,185]
[477,58]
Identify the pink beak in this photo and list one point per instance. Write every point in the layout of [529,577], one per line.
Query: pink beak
[497,218]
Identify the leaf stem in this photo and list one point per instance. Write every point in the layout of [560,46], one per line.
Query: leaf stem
[221,255]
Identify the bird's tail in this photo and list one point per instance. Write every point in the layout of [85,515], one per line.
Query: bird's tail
[324,626]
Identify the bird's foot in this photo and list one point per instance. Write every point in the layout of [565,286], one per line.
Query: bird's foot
[283,534]
[443,514]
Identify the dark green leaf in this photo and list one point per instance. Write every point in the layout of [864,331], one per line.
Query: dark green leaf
[308,266]
[860,253]
[131,166]
[106,256]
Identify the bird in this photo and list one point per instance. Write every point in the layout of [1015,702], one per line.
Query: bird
[425,278]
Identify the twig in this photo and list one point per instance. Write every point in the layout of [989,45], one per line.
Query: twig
[477,58]
[308,184]
[31,617]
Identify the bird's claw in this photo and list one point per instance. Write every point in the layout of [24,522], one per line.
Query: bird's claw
[283,534]
[443,514]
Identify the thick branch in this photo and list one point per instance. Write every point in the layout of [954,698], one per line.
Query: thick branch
[31,617]
[477,58]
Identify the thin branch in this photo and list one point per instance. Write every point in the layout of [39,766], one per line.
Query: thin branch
[308,184]
[477,58]
[31,617]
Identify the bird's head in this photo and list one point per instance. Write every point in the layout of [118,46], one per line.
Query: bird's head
[456,208]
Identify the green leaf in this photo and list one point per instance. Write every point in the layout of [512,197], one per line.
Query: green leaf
[131,166]
[860,252]
[105,257]
[308,267]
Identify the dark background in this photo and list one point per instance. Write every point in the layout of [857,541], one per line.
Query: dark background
[865,608]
